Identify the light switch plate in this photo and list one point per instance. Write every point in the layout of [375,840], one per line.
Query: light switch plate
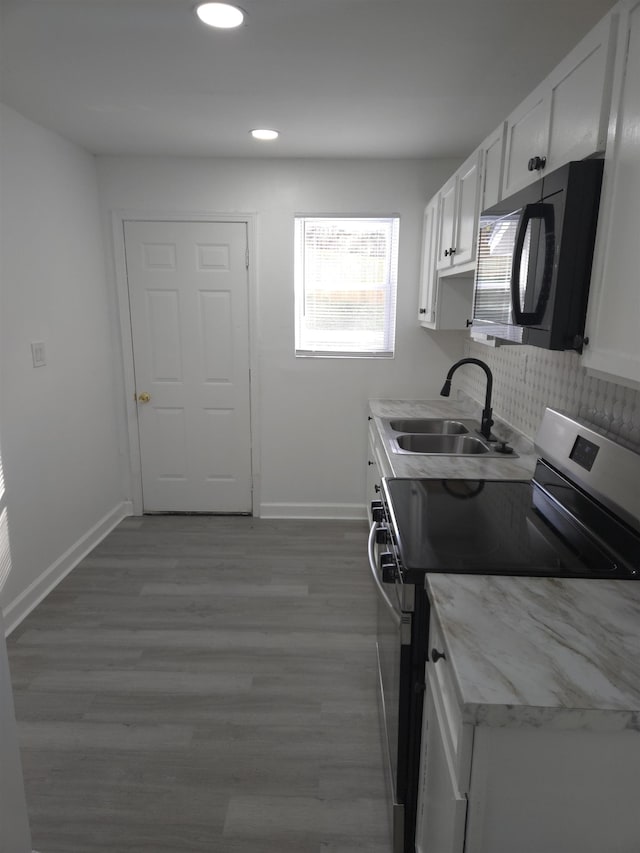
[38,354]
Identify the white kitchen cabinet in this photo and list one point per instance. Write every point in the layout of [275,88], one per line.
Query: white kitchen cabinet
[373,479]
[458,217]
[613,319]
[449,249]
[428,274]
[445,301]
[442,814]
[520,786]
[376,467]
[445,223]
[444,766]
[566,117]
[492,154]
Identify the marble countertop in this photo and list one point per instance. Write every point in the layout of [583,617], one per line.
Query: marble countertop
[453,467]
[553,652]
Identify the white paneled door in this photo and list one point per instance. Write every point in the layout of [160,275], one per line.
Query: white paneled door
[188,293]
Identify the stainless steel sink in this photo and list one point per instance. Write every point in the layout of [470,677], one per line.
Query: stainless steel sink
[438,426]
[450,444]
[440,436]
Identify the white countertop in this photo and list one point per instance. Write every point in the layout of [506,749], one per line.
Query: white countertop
[452,467]
[552,652]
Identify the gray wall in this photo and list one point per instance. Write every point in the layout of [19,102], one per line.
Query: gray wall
[57,422]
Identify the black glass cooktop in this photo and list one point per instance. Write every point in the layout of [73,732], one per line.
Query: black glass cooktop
[492,527]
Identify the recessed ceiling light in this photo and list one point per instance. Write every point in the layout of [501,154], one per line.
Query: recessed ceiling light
[220,15]
[263,133]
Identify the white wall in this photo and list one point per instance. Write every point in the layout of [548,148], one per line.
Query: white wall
[62,465]
[312,413]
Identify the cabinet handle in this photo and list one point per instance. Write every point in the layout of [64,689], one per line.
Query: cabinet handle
[370,462]
[452,251]
[447,253]
[536,163]
[436,655]
[423,311]
[469,323]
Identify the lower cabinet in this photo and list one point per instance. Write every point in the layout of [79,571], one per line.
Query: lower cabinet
[442,809]
[520,787]
[375,470]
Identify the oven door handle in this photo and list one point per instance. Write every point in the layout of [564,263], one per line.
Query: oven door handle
[397,618]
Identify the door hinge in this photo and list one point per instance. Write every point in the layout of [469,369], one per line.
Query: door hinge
[246,258]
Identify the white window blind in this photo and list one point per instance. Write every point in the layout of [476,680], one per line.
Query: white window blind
[496,243]
[346,272]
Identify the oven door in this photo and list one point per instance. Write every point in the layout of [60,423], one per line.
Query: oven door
[393,645]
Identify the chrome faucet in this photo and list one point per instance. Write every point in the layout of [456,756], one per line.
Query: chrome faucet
[487,422]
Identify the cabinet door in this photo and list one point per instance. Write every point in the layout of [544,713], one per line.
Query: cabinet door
[374,476]
[581,97]
[527,137]
[466,214]
[566,117]
[613,318]
[492,150]
[427,304]
[442,809]
[446,222]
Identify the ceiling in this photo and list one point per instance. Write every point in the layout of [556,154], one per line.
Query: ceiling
[338,78]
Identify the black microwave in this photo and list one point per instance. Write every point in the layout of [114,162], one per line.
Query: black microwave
[534,257]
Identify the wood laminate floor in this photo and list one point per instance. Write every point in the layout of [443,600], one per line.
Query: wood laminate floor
[205,684]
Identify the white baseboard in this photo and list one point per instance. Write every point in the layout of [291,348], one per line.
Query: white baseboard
[346,512]
[21,606]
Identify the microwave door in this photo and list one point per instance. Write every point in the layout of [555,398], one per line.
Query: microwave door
[533,261]
[492,299]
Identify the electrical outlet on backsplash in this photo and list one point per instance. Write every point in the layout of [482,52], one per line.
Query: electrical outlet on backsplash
[528,379]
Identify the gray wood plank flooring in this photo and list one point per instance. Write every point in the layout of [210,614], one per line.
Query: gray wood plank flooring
[205,684]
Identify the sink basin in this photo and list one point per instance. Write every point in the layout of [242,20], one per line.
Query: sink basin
[439,436]
[429,426]
[453,445]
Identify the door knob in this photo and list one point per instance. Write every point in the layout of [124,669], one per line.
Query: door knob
[144,397]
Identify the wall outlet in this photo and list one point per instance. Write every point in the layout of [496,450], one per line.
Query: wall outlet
[38,354]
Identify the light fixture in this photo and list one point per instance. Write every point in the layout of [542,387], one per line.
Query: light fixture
[264,134]
[220,15]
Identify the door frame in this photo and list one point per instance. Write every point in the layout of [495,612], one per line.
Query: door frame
[118,219]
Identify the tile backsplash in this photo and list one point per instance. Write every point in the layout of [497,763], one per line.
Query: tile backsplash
[527,379]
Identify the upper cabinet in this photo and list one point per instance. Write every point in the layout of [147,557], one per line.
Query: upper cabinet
[445,301]
[566,117]
[492,154]
[458,216]
[613,319]
[449,236]
[427,306]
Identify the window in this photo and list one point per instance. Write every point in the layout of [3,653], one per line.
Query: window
[346,272]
